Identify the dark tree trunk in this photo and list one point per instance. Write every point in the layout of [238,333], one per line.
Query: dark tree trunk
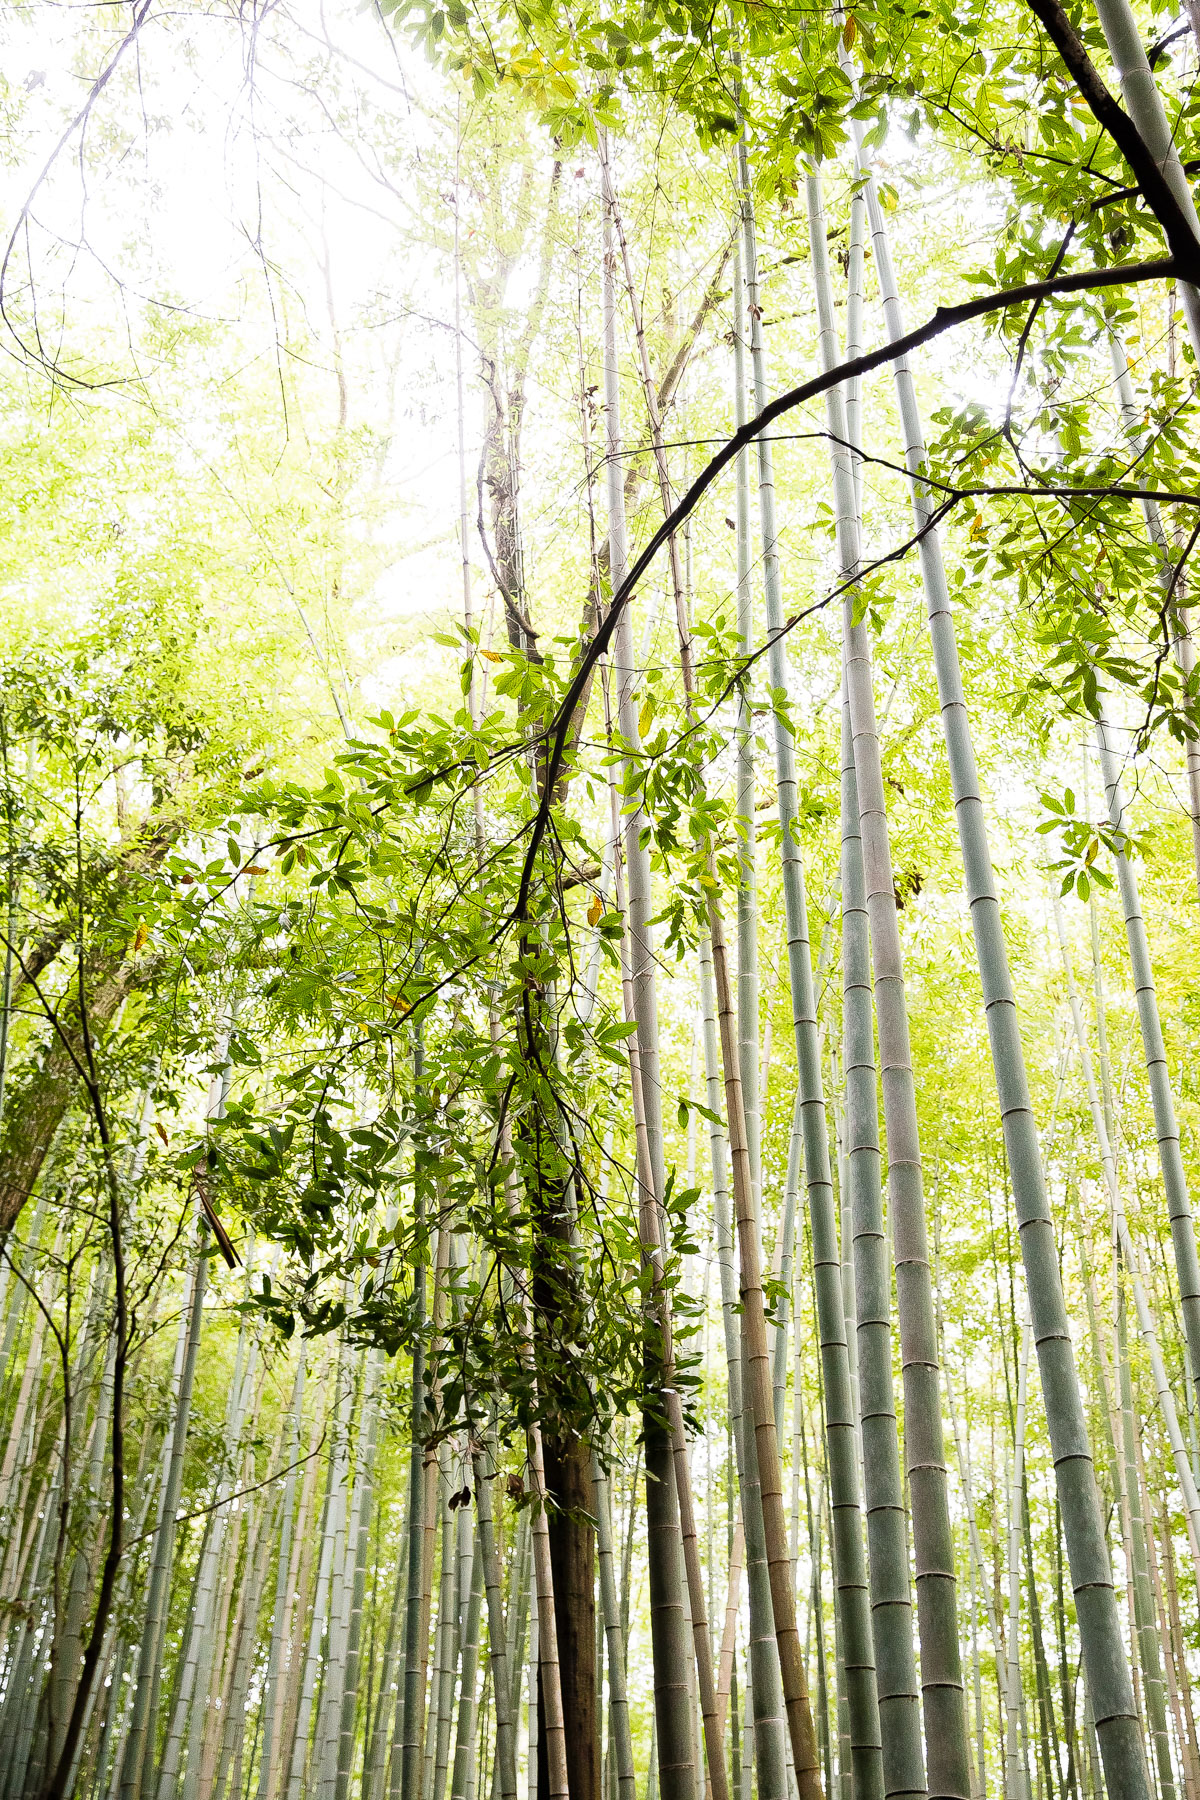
[573,1560]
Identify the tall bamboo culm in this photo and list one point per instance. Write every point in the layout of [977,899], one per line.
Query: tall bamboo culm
[1107,1669]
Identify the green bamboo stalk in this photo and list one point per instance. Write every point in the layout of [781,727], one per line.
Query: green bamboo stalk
[189,1711]
[327,1734]
[1017,1770]
[750,1255]
[138,1749]
[846,1241]
[298,1772]
[668,1625]
[783,1270]
[1189,1745]
[207,1724]
[448,1647]
[1145,1612]
[1107,1667]
[231,1726]
[19,1720]
[887,1537]
[298,1600]
[849,1562]
[462,1785]
[946,1739]
[1182,643]
[518,1610]
[1169,1664]
[272,1695]
[358,1549]
[1140,93]
[1067,1682]
[1048,1737]
[747,888]
[650,1235]
[764,1688]
[651,1174]
[410,1698]
[375,1757]
[106,1766]
[1129,1252]
[1175,1185]
[503,1697]
[433,1510]
[138,1758]
[68,1643]
[625,1780]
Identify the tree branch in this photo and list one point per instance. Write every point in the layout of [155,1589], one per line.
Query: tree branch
[943,320]
[1112,117]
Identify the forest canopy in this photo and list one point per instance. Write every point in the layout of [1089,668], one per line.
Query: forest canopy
[599,838]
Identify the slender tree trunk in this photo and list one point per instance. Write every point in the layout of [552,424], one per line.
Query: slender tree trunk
[624,1779]
[1144,102]
[1017,1767]
[271,1709]
[410,1698]
[764,1685]
[887,1537]
[1179,1207]
[1109,1683]
[139,1750]
[650,1233]
[498,1656]
[946,1740]
[674,1737]
[1129,1252]
[463,1781]
[1170,579]
[1191,1750]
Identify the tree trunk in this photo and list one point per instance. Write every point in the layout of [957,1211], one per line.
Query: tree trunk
[1109,1682]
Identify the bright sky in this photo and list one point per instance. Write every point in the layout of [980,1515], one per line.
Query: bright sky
[241,180]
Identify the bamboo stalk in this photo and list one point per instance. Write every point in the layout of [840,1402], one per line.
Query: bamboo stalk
[674,1738]
[1015,1752]
[271,1712]
[764,1687]
[1129,1251]
[946,1739]
[624,1778]
[649,1230]
[498,1654]
[463,1781]
[1109,1682]
[1179,1207]
[887,1538]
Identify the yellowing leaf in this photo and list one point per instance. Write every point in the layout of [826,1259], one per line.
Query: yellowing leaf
[140,936]
[491,655]
[645,718]
[849,30]
[595,909]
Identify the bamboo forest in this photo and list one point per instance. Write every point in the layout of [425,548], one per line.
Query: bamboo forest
[599,900]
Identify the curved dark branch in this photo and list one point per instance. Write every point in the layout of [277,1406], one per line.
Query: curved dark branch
[943,320]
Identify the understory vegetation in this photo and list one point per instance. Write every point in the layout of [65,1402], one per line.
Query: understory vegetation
[599,879]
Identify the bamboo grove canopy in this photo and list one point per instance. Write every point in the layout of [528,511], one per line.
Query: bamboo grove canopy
[600,853]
